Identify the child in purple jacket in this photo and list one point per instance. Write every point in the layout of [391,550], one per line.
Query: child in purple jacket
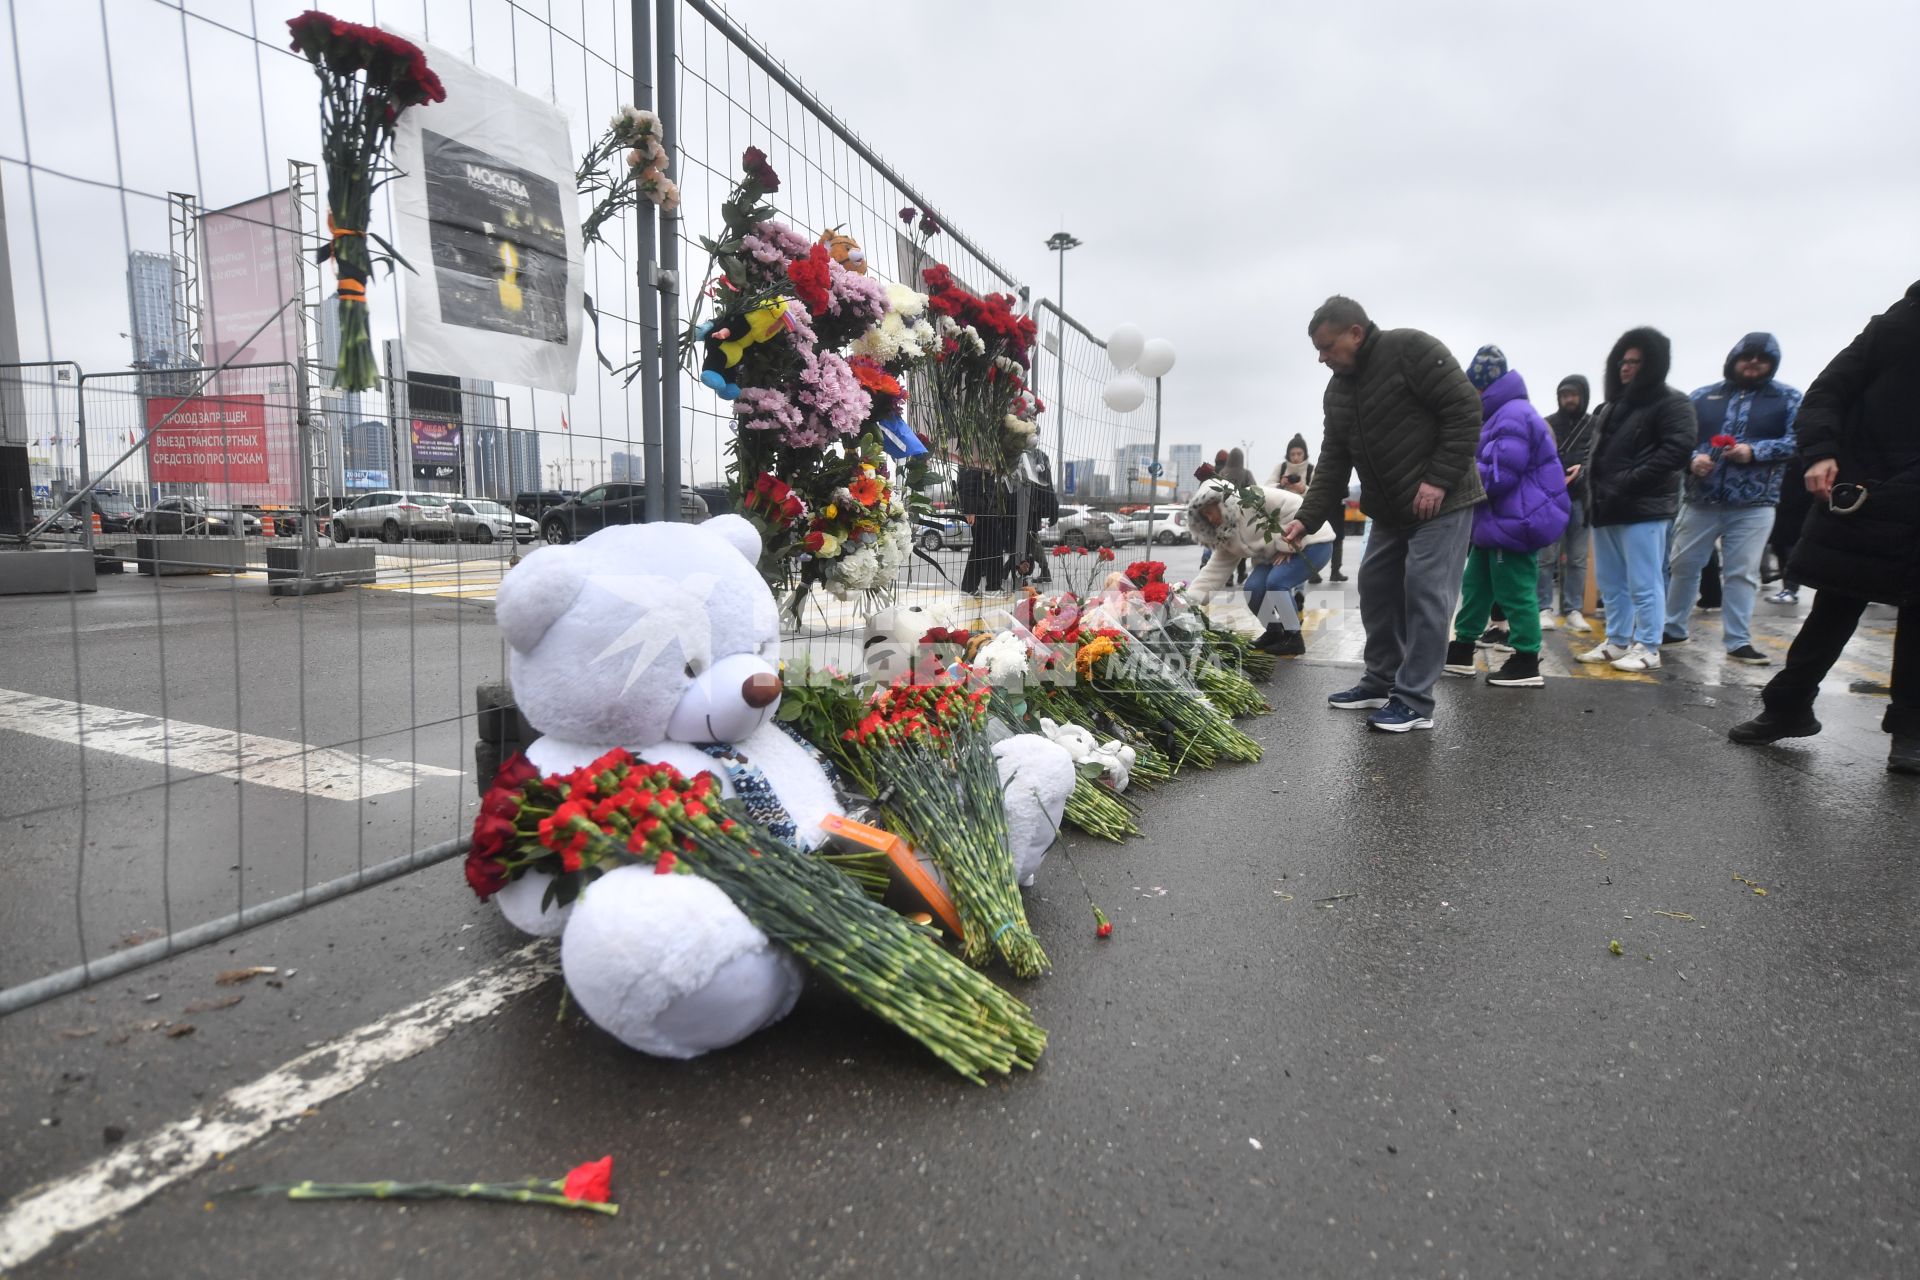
[1526,509]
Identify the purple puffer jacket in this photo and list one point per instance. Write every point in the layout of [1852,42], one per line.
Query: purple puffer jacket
[1526,506]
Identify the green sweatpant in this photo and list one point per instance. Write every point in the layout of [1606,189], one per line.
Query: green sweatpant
[1509,579]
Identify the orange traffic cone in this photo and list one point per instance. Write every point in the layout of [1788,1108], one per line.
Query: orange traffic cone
[266,526]
[96,522]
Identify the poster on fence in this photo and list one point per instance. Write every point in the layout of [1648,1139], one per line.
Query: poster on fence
[207,440]
[487,215]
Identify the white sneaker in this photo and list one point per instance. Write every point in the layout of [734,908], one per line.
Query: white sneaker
[1638,658]
[1548,622]
[1603,652]
[1575,622]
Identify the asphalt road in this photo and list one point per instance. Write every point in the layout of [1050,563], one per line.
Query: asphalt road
[1359,1016]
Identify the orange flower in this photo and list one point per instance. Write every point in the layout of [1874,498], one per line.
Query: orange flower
[1090,654]
[867,491]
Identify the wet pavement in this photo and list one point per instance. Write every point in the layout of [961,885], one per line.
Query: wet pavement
[1360,1016]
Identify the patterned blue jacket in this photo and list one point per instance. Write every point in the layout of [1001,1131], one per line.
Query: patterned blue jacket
[1761,417]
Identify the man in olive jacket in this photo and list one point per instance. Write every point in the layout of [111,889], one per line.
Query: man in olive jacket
[1399,409]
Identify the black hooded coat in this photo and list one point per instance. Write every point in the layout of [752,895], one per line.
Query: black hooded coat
[1642,438]
[1864,412]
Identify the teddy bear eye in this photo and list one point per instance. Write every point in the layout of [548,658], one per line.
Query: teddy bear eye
[692,672]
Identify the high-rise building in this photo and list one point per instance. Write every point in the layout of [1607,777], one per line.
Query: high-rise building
[368,448]
[1131,482]
[625,466]
[158,318]
[1182,461]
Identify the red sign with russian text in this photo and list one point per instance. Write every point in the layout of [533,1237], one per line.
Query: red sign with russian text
[208,440]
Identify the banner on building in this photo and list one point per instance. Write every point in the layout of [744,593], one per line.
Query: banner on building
[436,441]
[487,215]
[208,441]
[249,290]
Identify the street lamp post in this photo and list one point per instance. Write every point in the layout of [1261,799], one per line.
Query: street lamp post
[1060,242]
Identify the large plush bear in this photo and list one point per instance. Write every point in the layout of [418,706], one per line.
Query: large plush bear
[664,639]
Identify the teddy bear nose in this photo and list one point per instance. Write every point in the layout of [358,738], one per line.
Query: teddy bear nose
[760,689]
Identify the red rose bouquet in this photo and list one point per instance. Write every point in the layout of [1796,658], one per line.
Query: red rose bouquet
[618,809]
[367,78]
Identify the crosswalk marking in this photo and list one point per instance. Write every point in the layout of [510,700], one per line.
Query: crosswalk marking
[323,772]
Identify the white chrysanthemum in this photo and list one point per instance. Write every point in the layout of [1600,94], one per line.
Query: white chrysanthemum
[1005,658]
[904,302]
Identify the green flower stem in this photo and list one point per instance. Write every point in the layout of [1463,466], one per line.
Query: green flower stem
[545,1192]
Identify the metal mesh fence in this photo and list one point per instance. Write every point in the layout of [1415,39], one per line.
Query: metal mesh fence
[217,738]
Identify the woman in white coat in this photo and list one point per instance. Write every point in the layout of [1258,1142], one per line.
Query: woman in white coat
[1232,529]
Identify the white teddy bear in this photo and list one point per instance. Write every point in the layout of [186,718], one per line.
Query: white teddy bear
[664,639]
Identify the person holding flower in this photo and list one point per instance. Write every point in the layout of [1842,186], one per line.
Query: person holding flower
[1744,440]
[1234,526]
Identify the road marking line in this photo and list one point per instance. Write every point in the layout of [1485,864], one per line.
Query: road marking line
[117,1183]
[323,772]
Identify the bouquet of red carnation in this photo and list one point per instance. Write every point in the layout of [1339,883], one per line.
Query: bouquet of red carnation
[367,78]
[1141,572]
[1720,444]
[618,809]
[918,751]
[979,408]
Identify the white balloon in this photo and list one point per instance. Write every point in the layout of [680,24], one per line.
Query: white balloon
[1124,393]
[1123,346]
[1156,359]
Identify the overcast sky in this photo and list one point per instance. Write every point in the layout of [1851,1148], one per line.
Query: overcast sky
[1543,176]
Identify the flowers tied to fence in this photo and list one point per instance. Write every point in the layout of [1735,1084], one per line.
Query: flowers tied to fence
[368,77]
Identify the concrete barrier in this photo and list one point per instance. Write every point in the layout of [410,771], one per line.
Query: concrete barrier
[297,570]
[165,557]
[46,571]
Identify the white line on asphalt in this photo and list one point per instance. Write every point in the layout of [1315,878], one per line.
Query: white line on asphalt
[323,772]
[117,1183]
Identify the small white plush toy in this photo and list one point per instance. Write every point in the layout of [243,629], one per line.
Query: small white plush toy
[656,638]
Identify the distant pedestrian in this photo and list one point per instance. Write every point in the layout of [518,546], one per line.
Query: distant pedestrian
[1235,472]
[1860,435]
[1294,473]
[1642,437]
[1400,410]
[988,506]
[1525,510]
[1788,519]
[1731,491]
[1564,561]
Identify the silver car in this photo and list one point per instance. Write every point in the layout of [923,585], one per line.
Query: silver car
[394,516]
[484,520]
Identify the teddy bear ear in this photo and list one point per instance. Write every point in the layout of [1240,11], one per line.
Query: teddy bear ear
[535,592]
[739,532]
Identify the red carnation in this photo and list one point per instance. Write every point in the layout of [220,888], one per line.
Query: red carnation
[810,276]
[908,214]
[592,1181]
[516,771]
[1723,442]
[1156,592]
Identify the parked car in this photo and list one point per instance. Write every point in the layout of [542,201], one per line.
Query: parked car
[718,497]
[182,516]
[65,522]
[609,504]
[941,529]
[287,524]
[393,516]
[1169,525]
[246,518]
[116,513]
[1082,526]
[534,503]
[484,520]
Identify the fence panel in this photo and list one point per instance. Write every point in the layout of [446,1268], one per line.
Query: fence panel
[208,755]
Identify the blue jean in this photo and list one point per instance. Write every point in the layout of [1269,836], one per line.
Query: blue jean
[1742,533]
[1630,564]
[1572,545]
[1280,578]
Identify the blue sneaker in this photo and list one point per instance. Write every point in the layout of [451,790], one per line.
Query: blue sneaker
[1398,717]
[1355,699]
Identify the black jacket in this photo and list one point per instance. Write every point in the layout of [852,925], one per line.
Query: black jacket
[1405,416]
[1862,412]
[1642,438]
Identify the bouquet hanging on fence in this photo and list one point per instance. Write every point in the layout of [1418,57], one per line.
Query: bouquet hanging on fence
[918,751]
[619,810]
[980,411]
[640,175]
[368,77]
